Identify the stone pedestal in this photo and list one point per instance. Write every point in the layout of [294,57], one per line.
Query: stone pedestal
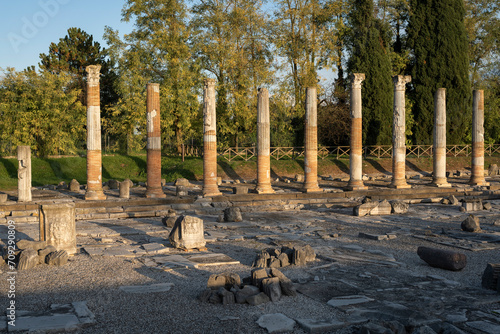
[356,156]
[477,177]
[439,162]
[210,187]
[57,226]
[24,174]
[94,159]
[398,133]
[187,233]
[125,189]
[263,144]
[311,143]
[154,188]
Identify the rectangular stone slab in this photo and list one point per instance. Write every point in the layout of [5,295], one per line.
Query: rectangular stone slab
[320,326]
[44,323]
[159,287]
[349,300]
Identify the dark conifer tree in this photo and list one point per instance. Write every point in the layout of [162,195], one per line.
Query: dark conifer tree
[369,54]
[438,41]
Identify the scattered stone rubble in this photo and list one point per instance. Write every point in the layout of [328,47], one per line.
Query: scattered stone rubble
[276,258]
[370,208]
[471,224]
[32,253]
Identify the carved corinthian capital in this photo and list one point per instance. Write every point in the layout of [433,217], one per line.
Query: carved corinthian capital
[93,75]
[357,79]
[400,81]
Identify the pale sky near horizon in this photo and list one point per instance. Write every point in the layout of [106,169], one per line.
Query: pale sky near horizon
[27,27]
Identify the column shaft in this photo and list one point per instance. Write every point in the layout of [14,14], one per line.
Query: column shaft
[154,189]
[398,133]
[263,144]
[477,177]
[94,159]
[311,143]
[356,156]
[24,174]
[210,187]
[439,161]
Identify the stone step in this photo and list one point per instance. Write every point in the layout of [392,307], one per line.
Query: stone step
[23,219]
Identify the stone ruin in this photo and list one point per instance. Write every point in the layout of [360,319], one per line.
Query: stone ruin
[187,233]
[32,253]
[277,258]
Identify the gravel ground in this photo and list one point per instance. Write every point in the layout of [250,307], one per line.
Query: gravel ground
[97,279]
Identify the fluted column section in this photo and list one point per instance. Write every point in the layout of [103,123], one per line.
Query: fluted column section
[154,189]
[210,187]
[398,133]
[311,142]
[439,161]
[477,177]
[263,144]
[94,159]
[356,156]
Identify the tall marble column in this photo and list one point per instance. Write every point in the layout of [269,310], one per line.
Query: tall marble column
[398,133]
[24,174]
[356,156]
[477,177]
[311,142]
[263,144]
[210,187]
[439,161]
[94,159]
[154,189]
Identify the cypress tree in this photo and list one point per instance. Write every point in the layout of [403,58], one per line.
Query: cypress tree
[438,40]
[370,55]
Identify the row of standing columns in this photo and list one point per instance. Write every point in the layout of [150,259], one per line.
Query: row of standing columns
[210,186]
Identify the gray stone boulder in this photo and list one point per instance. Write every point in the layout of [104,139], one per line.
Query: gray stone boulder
[232,214]
[113,184]
[225,280]
[42,253]
[58,258]
[241,295]
[272,288]
[258,299]
[493,170]
[287,287]
[30,244]
[373,209]
[399,207]
[182,182]
[471,224]
[28,258]
[74,185]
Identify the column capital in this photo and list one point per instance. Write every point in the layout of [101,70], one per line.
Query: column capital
[400,81]
[263,90]
[357,79]
[93,75]
[209,83]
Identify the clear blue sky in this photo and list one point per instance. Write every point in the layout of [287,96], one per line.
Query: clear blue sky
[27,27]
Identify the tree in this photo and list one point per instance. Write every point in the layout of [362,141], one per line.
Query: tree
[438,42]
[369,54]
[40,110]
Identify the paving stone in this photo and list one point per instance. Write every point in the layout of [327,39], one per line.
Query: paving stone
[320,325]
[484,326]
[56,322]
[85,316]
[155,248]
[349,300]
[159,287]
[373,236]
[276,322]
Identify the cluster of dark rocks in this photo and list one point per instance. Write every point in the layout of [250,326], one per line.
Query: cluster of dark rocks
[284,256]
[32,253]
[263,286]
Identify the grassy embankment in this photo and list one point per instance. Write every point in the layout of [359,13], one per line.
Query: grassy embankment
[119,167]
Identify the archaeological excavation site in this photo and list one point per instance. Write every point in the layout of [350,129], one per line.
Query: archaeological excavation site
[404,251]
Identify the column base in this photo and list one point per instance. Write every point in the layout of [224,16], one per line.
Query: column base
[400,185]
[155,194]
[440,184]
[212,194]
[478,182]
[264,190]
[355,187]
[95,196]
[312,190]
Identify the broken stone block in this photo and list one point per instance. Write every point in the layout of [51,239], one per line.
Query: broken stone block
[58,258]
[258,299]
[322,325]
[262,259]
[302,255]
[445,201]
[490,276]
[42,253]
[287,287]
[373,208]
[232,214]
[3,198]
[74,186]
[28,258]
[225,280]
[226,296]
[240,190]
[276,323]
[187,233]
[453,200]
[471,224]
[57,226]
[241,295]
[284,260]
[486,206]
[272,288]
[274,262]
[493,170]
[443,259]
[474,204]
[30,244]
[125,189]
[181,191]
[182,182]
[170,218]
[373,236]
[113,184]
[399,207]
[299,178]
[258,275]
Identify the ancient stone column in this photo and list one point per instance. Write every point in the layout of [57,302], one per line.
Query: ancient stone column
[210,187]
[24,174]
[311,143]
[477,177]
[398,133]
[356,156]
[94,159]
[57,226]
[263,144]
[154,189]
[439,176]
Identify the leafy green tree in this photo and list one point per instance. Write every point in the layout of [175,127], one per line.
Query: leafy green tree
[38,109]
[369,53]
[438,40]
